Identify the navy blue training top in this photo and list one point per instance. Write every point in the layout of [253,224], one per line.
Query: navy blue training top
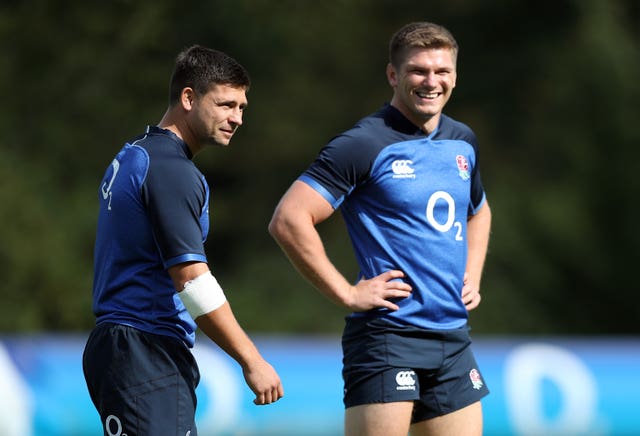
[405,197]
[153,214]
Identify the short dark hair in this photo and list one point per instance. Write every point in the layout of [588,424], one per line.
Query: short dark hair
[200,67]
[420,35]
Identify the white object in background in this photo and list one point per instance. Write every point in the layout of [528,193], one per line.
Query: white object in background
[527,367]
[16,410]
[223,386]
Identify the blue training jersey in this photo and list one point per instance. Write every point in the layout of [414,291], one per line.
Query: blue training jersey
[154,214]
[405,197]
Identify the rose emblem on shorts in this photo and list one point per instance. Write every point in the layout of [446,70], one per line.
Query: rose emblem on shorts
[475,378]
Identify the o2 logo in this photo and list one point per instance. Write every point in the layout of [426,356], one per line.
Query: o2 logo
[113,426]
[451,214]
[106,189]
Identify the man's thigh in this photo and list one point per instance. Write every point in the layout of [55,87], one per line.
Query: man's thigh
[156,407]
[379,419]
[463,422]
[140,383]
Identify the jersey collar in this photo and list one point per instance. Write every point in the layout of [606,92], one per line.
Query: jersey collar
[398,121]
[160,131]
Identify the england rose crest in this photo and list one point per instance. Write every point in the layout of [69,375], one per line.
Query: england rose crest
[463,167]
[476,380]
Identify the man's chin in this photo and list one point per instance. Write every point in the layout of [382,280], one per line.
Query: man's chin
[219,142]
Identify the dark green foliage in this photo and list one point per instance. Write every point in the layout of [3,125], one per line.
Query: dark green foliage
[551,88]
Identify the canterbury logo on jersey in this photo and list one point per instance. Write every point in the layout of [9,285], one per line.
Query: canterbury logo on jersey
[406,381]
[402,169]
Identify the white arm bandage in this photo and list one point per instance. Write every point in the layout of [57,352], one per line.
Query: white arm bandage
[202,295]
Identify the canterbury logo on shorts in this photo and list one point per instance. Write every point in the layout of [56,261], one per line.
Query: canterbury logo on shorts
[406,381]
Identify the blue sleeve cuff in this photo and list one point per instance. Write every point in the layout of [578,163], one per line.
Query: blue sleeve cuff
[185,258]
[474,210]
[334,202]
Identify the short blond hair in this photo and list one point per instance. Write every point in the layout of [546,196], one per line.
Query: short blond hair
[420,35]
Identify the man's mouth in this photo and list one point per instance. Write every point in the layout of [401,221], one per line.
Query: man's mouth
[427,95]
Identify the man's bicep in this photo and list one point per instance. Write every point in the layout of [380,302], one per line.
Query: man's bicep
[183,272]
[302,198]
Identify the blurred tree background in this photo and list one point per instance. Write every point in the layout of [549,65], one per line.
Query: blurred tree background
[550,87]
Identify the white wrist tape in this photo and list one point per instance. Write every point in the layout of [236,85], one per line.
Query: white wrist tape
[202,295]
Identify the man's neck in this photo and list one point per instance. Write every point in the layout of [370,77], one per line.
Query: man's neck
[180,128]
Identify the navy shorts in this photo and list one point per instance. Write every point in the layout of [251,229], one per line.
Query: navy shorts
[386,363]
[141,383]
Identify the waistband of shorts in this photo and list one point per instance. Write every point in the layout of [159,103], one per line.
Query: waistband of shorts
[382,325]
[155,337]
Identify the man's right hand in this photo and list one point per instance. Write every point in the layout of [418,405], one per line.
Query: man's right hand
[375,293]
[265,383]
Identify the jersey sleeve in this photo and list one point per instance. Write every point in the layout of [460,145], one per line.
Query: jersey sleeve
[477,194]
[339,167]
[176,198]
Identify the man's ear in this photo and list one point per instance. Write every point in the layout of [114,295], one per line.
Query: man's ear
[392,75]
[187,97]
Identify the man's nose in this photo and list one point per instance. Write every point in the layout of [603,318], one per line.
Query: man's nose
[236,117]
